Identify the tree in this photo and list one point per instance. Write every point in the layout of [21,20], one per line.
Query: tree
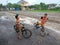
[9,5]
[42,5]
[16,6]
[1,6]
[36,6]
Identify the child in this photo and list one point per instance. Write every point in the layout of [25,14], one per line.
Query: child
[43,20]
[18,25]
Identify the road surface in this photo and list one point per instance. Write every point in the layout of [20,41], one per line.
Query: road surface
[8,36]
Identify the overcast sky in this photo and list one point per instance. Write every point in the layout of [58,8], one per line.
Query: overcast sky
[31,1]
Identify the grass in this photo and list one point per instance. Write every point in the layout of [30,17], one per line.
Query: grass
[45,10]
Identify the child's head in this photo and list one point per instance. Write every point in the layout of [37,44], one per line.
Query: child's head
[17,16]
[45,14]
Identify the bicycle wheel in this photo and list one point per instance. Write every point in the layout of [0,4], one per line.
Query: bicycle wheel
[42,33]
[26,33]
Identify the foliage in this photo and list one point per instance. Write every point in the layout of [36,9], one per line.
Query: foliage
[41,6]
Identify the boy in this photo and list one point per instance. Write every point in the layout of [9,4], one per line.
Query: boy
[43,21]
[18,25]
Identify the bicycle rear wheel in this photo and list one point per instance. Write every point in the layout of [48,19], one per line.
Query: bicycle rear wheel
[26,33]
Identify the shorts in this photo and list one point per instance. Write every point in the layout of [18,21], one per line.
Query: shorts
[18,30]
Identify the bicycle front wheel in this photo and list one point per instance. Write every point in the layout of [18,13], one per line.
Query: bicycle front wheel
[26,33]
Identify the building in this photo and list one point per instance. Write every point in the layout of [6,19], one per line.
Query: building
[24,5]
[58,5]
[51,6]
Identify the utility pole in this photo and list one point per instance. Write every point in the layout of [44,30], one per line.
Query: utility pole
[6,4]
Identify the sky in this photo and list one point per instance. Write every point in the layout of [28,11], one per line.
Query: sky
[31,2]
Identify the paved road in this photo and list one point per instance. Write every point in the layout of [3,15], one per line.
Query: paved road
[8,36]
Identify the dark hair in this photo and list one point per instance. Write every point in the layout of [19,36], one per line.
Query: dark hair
[42,17]
[45,14]
[16,16]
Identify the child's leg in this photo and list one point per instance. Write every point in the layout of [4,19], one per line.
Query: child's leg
[18,35]
[43,29]
[19,31]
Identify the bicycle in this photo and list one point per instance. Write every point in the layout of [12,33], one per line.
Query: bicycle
[42,32]
[24,31]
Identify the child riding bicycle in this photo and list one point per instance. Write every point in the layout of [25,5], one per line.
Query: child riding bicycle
[18,25]
[43,21]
